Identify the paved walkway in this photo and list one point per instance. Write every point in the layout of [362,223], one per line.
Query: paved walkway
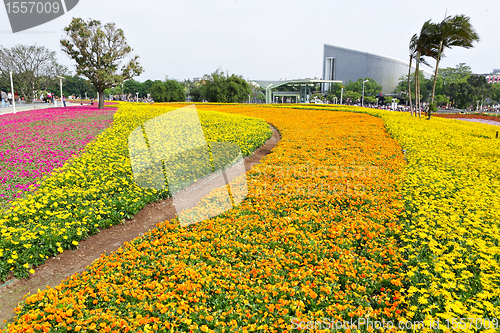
[33,106]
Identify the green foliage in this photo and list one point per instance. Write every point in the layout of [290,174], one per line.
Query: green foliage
[475,89]
[441,100]
[457,74]
[496,92]
[131,87]
[98,51]
[73,85]
[222,88]
[372,88]
[168,91]
[34,69]
[353,96]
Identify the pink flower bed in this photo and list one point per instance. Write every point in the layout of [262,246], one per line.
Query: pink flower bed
[34,143]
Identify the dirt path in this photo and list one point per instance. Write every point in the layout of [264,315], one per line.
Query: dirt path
[56,269]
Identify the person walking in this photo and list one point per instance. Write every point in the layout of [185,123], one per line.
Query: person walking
[9,97]
[63,99]
[3,96]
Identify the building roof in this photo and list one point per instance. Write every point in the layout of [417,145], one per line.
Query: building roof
[266,84]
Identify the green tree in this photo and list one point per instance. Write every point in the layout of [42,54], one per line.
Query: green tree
[131,87]
[145,88]
[73,85]
[168,91]
[34,69]
[372,88]
[424,45]
[441,100]
[457,74]
[222,88]
[99,51]
[496,92]
[481,89]
[352,96]
[452,31]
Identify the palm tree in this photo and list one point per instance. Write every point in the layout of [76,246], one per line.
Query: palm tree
[413,51]
[452,31]
[425,46]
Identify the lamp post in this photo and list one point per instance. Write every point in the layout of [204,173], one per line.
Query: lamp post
[137,97]
[60,88]
[363,95]
[12,92]
[341,93]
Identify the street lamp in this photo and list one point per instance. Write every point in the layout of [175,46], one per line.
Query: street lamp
[12,92]
[341,93]
[60,88]
[137,97]
[363,95]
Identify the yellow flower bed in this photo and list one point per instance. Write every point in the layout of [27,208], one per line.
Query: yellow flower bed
[316,238]
[97,189]
[452,202]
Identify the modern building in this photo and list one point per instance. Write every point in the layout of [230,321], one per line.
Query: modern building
[493,77]
[340,63]
[296,91]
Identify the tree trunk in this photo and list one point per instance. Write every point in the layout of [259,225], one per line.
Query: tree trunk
[436,71]
[417,91]
[409,86]
[101,99]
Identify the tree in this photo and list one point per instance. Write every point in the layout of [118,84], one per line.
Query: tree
[353,96]
[496,92]
[459,73]
[34,68]
[145,88]
[372,88]
[425,46]
[168,91]
[423,86]
[222,88]
[73,85]
[481,88]
[413,53]
[99,51]
[452,31]
[131,87]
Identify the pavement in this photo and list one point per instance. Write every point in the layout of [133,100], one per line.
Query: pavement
[33,106]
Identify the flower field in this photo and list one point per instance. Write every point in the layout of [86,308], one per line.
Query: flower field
[452,204]
[290,250]
[34,143]
[351,216]
[94,191]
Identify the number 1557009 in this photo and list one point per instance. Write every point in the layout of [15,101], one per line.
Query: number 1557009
[32,7]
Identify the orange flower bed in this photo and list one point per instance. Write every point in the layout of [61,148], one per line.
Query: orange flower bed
[315,240]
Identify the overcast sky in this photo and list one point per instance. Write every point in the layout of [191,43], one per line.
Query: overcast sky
[267,39]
